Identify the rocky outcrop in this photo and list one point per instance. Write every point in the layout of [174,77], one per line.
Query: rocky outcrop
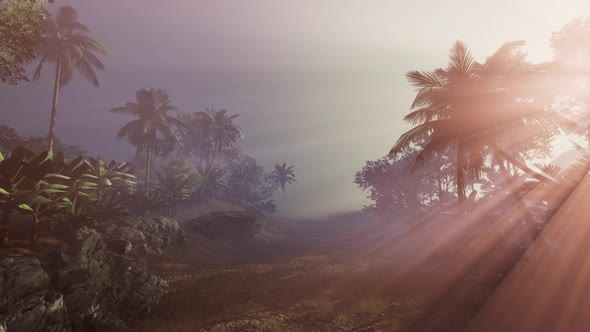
[81,272]
[146,235]
[134,292]
[82,286]
[119,246]
[227,224]
[26,301]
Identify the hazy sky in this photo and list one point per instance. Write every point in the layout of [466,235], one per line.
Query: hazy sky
[319,84]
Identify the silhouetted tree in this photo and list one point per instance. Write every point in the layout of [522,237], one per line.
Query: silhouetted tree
[477,109]
[392,184]
[571,68]
[208,136]
[67,45]
[283,175]
[247,182]
[572,43]
[153,124]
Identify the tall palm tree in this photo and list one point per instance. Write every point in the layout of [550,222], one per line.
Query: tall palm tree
[216,132]
[475,108]
[283,175]
[152,126]
[66,44]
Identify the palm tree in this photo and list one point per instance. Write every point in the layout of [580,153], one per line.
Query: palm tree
[66,44]
[216,132]
[475,108]
[480,109]
[283,175]
[152,126]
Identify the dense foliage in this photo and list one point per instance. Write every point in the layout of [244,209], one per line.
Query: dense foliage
[21,27]
[73,192]
[481,128]
[393,186]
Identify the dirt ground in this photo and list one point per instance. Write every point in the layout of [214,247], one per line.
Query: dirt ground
[345,273]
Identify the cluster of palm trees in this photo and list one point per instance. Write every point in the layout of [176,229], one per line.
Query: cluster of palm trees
[74,190]
[208,138]
[489,115]
[159,125]
[209,135]
[477,109]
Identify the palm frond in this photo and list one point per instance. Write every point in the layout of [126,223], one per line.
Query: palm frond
[65,16]
[437,144]
[425,114]
[579,169]
[408,138]
[425,79]
[92,59]
[130,128]
[86,70]
[460,59]
[426,97]
[88,43]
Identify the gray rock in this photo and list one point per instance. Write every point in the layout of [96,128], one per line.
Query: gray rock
[119,246]
[146,235]
[80,287]
[97,318]
[227,224]
[27,303]
[160,233]
[135,237]
[135,292]
[87,273]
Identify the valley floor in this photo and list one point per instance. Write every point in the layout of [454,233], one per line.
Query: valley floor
[345,273]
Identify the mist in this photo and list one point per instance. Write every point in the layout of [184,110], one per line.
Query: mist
[317,84]
[313,165]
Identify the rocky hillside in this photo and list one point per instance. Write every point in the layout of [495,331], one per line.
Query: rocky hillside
[101,280]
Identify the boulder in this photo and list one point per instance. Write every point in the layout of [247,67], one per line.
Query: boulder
[90,284]
[160,233]
[26,302]
[82,287]
[146,235]
[84,273]
[119,246]
[134,292]
[227,224]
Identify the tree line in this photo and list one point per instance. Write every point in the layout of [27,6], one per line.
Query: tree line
[480,129]
[180,157]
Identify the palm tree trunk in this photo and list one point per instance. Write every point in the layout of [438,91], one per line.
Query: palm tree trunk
[148,168]
[521,207]
[460,175]
[208,172]
[56,85]
[205,180]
